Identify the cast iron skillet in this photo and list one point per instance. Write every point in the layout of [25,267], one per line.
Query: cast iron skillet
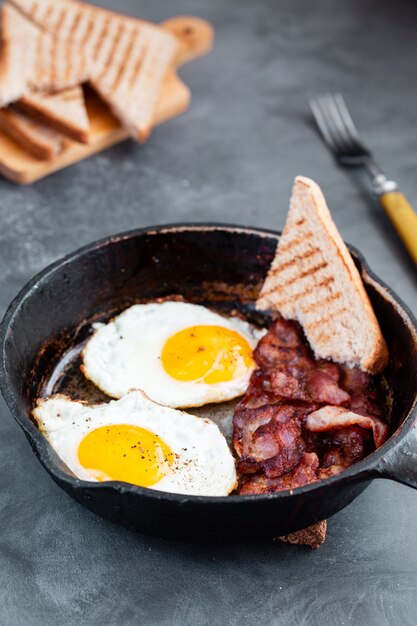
[222,266]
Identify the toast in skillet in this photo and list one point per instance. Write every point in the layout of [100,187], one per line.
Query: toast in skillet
[313,279]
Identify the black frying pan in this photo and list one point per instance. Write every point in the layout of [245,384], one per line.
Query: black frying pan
[223,267]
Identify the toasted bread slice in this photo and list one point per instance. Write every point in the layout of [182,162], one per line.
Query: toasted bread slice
[34,60]
[36,139]
[130,57]
[314,280]
[131,88]
[63,111]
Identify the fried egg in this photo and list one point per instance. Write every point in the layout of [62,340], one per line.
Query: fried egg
[179,354]
[137,441]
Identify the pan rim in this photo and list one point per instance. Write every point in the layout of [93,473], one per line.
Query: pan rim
[43,450]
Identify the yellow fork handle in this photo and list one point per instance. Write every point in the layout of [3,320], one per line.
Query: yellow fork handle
[403,217]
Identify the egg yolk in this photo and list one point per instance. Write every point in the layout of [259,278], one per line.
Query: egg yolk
[125,452]
[209,354]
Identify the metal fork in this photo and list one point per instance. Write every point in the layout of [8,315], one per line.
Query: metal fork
[341,137]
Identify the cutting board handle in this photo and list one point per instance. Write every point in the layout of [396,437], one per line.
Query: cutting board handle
[195,36]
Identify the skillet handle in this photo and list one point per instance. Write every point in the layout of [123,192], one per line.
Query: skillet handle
[400,463]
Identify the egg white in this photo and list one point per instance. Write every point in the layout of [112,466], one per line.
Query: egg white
[126,354]
[203,463]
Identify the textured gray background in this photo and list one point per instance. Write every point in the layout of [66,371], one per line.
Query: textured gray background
[231,158]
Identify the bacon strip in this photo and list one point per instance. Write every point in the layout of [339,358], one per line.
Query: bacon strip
[293,372]
[305,472]
[313,385]
[333,417]
[276,448]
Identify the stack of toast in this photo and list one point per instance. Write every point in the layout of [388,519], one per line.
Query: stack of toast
[51,48]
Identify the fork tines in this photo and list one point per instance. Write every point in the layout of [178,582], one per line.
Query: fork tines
[336,126]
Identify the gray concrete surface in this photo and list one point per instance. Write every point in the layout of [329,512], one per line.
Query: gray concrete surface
[232,159]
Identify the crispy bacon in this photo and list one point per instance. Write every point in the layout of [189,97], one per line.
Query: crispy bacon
[248,419]
[342,448]
[275,448]
[305,472]
[313,385]
[302,419]
[363,395]
[333,417]
[293,372]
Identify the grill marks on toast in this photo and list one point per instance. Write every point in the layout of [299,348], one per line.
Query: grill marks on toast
[289,245]
[311,252]
[101,41]
[69,57]
[38,61]
[130,58]
[298,295]
[300,261]
[122,70]
[115,44]
[53,59]
[293,253]
[327,318]
[75,24]
[291,261]
[56,66]
[136,67]
[124,54]
[88,31]
[318,304]
[318,295]
[61,20]
[307,273]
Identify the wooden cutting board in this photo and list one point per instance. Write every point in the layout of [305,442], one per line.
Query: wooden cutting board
[17,165]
